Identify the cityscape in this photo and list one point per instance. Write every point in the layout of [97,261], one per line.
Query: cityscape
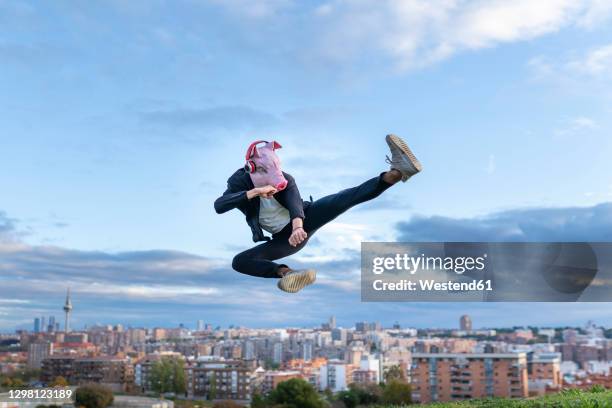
[237,363]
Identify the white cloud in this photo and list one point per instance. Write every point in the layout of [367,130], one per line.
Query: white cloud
[594,64]
[417,33]
[597,12]
[577,126]
[412,33]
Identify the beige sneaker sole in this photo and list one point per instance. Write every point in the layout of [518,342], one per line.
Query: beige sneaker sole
[399,142]
[298,280]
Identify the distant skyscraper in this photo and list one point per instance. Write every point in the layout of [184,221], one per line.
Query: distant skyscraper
[67,310]
[332,322]
[277,353]
[51,327]
[37,325]
[307,350]
[249,350]
[43,325]
[200,325]
[465,323]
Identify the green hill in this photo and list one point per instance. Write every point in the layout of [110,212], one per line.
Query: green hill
[596,398]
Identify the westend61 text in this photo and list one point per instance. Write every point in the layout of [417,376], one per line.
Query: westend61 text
[430,284]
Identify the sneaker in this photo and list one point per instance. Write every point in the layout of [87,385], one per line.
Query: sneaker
[294,281]
[402,158]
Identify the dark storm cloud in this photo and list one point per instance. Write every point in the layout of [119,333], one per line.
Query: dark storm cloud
[537,224]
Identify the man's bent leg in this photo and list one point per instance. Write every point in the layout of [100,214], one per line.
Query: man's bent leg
[258,261]
[327,208]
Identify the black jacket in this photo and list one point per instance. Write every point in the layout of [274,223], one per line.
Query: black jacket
[236,197]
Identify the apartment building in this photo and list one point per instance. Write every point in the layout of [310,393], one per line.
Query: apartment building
[217,379]
[335,376]
[273,378]
[143,367]
[459,376]
[38,351]
[115,373]
[544,373]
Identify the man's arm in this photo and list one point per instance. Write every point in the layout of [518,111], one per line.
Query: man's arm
[233,199]
[292,200]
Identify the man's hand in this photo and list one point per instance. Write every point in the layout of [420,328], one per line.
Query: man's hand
[297,237]
[265,192]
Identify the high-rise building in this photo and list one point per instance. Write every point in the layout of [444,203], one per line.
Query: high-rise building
[367,326]
[307,346]
[277,353]
[51,327]
[43,324]
[461,376]
[200,325]
[37,325]
[67,310]
[465,323]
[332,322]
[249,350]
[37,352]
[339,335]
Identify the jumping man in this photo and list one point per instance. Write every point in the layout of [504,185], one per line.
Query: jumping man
[271,201]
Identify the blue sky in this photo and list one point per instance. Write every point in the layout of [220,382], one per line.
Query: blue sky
[122,120]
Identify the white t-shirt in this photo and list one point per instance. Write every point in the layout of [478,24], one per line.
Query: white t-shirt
[273,217]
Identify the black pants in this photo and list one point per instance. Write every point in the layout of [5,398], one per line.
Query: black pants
[257,261]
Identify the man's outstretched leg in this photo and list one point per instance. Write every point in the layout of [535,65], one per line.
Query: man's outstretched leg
[403,166]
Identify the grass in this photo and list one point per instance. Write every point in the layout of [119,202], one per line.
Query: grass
[596,398]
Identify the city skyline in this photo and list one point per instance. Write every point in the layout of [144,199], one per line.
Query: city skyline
[117,138]
[464,323]
[517,362]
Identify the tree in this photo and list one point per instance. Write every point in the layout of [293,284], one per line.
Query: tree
[397,393]
[257,401]
[295,393]
[168,375]
[17,383]
[349,398]
[59,382]
[395,372]
[368,394]
[93,396]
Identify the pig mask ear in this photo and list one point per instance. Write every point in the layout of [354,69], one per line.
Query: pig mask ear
[252,150]
[276,145]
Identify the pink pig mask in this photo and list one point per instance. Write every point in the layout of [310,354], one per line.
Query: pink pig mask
[263,165]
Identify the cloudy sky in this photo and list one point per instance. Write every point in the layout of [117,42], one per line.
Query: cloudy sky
[121,121]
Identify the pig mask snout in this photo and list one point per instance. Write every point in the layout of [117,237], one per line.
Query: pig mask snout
[264,166]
